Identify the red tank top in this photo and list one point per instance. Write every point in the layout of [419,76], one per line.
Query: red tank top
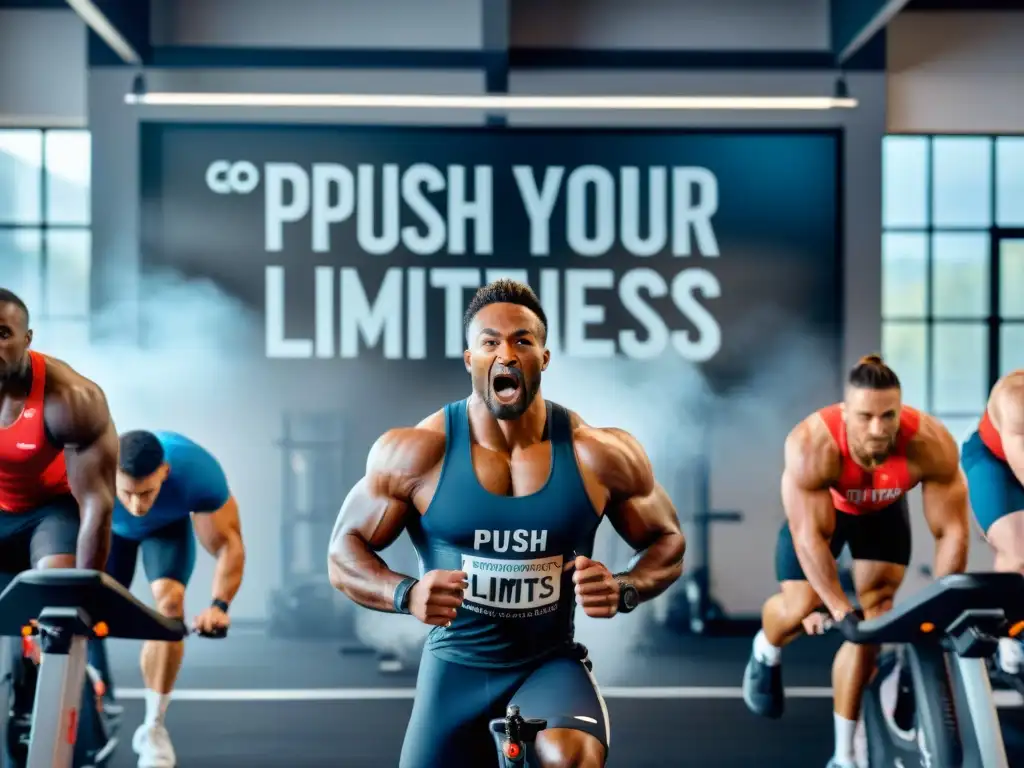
[32,469]
[859,491]
[990,437]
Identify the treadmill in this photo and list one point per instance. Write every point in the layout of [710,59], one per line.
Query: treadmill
[67,607]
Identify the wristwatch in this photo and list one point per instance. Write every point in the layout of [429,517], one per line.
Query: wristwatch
[629,598]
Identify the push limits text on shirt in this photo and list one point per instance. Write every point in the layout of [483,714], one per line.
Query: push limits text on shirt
[360,242]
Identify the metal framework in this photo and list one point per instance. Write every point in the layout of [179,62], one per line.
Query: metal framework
[994,321]
[43,226]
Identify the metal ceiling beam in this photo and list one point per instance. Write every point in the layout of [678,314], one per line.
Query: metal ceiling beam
[855,23]
[495,43]
[120,27]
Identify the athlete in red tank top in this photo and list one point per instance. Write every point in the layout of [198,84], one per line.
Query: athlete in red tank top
[58,456]
[848,469]
[860,491]
[32,468]
[993,460]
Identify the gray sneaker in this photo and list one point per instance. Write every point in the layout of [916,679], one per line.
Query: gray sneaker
[762,688]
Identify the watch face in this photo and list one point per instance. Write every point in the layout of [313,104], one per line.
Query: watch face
[629,596]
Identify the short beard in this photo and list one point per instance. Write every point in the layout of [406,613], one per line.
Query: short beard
[512,411]
[873,460]
[17,371]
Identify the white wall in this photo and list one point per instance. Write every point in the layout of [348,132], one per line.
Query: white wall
[42,68]
[956,73]
[722,25]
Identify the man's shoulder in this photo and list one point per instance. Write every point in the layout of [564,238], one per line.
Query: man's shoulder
[63,382]
[814,435]
[177,444]
[1008,393]
[193,460]
[933,448]
[615,456]
[75,407]
[412,450]
[811,453]
[613,439]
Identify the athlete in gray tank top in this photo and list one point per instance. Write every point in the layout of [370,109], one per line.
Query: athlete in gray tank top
[502,494]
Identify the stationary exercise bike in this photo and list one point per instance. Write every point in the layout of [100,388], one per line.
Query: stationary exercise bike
[64,609]
[948,630]
[515,737]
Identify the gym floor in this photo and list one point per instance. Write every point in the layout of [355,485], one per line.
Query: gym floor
[258,701]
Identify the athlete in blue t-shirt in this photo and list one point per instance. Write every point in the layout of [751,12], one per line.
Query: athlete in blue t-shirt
[167,485]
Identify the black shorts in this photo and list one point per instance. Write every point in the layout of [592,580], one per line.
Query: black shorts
[882,536]
[454,704]
[167,553]
[28,537]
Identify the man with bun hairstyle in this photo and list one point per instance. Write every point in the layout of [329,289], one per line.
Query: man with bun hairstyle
[848,469]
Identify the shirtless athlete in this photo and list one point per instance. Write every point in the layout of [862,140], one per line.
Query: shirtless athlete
[993,458]
[502,494]
[848,469]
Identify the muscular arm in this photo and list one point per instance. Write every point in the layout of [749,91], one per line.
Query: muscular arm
[220,533]
[78,418]
[374,514]
[643,515]
[944,491]
[810,464]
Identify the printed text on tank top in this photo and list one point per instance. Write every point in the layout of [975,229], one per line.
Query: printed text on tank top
[514,588]
[858,490]
[514,572]
[32,468]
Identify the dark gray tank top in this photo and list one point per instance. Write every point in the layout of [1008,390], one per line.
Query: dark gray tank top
[520,601]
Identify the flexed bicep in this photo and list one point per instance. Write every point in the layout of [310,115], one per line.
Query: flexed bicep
[376,511]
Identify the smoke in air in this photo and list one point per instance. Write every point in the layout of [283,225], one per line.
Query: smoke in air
[187,376]
[191,376]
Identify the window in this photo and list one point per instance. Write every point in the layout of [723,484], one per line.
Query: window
[953,269]
[45,243]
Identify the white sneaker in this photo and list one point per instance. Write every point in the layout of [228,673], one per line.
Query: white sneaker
[152,743]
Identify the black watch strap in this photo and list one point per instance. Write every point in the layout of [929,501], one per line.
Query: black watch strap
[629,598]
[218,603]
[401,600]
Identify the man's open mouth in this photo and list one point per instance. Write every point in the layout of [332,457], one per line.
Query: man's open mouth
[506,388]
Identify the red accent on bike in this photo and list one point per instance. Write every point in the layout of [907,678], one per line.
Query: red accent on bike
[72,725]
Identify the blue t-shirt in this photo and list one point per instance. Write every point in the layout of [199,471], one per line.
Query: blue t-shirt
[196,483]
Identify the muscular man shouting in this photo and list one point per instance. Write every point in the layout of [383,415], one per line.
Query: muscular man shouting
[502,494]
[847,472]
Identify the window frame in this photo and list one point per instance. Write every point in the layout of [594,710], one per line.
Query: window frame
[994,321]
[44,226]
